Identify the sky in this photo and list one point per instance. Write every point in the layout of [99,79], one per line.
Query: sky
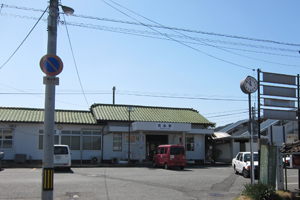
[171,53]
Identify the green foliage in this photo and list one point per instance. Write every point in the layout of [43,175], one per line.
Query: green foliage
[260,191]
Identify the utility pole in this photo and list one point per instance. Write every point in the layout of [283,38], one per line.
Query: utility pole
[48,139]
[51,65]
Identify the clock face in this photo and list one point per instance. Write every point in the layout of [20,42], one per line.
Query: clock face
[250,84]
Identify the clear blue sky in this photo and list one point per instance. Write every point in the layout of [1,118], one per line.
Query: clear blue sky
[150,66]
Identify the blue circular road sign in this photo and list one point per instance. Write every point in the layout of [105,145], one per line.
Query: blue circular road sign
[51,65]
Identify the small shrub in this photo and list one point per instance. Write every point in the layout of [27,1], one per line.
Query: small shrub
[260,191]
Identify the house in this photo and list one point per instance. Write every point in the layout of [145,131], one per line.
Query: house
[102,133]
[233,138]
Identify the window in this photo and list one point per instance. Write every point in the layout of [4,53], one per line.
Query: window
[60,150]
[91,140]
[6,139]
[71,138]
[246,157]
[241,157]
[161,151]
[176,151]
[157,151]
[117,142]
[189,143]
[166,150]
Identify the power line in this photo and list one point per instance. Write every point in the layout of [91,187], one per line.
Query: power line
[142,33]
[226,115]
[207,54]
[163,27]
[24,39]
[121,30]
[75,64]
[177,96]
[192,38]
[229,111]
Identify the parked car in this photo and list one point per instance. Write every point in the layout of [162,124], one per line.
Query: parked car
[169,156]
[242,163]
[62,157]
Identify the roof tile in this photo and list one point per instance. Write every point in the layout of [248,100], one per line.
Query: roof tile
[113,112]
[12,114]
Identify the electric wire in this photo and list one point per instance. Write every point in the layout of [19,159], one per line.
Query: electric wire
[127,93]
[164,27]
[75,63]
[40,95]
[24,39]
[224,112]
[207,54]
[220,48]
[197,39]
[142,33]
[226,115]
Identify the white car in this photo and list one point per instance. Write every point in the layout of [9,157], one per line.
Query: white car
[62,156]
[241,163]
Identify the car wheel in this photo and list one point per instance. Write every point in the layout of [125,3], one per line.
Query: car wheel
[182,167]
[153,164]
[166,165]
[245,173]
[234,169]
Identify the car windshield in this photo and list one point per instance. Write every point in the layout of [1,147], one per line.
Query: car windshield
[177,151]
[247,157]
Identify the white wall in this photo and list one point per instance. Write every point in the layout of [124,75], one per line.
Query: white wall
[26,141]
[199,152]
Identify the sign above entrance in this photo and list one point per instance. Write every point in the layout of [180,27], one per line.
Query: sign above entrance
[164,126]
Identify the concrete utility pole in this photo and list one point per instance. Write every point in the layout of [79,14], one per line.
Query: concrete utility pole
[48,141]
[51,65]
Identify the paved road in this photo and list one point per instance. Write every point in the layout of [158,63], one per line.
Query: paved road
[111,183]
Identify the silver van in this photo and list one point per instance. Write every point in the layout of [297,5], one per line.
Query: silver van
[62,156]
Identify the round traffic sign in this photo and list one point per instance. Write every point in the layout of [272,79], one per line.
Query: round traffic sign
[51,64]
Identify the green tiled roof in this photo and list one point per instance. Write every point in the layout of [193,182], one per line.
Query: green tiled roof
[105,112]
[109,112]
[13,114]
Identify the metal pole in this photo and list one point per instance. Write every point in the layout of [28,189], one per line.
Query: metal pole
[129,139]
[48,139]
[298,114]
[285,171]
[258,123]
[114,89]
[251,141]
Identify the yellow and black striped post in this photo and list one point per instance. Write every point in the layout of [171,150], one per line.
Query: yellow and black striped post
[48,178]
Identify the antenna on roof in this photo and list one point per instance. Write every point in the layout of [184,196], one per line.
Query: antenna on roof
[114,89]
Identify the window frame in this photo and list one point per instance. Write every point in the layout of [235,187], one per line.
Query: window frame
[3,139]
[119,141]
[93,134]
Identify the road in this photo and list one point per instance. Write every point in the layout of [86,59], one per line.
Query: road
[113,183]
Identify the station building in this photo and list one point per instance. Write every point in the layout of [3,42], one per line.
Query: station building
[101,134]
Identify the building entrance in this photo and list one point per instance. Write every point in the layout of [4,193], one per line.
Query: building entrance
[152,142]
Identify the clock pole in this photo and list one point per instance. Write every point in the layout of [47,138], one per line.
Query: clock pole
[250,129]
[249,85]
